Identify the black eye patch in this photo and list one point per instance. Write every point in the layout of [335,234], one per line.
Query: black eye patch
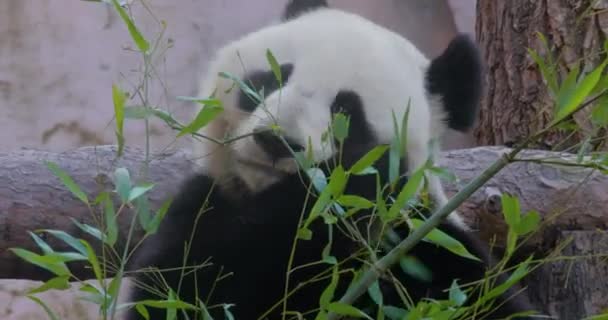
[266,80]
[349,103]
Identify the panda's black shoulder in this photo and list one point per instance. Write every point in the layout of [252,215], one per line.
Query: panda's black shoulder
[185,204]
[192,194]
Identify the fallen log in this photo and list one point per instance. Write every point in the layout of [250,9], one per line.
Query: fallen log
[32,198]
[572,201]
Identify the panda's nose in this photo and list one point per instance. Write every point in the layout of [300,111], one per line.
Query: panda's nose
[273,144]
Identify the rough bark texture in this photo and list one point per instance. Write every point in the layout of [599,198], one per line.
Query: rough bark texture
[516,103]
[570,200]
[574,288]
[32,198]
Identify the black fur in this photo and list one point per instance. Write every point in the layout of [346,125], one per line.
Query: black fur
[274,146]
[456,77]
[360,131]
[296,8]
[264,81]
[252,238]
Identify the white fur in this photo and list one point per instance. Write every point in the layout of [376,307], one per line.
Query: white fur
[331,51]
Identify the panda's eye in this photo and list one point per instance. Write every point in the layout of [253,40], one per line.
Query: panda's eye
[262,81]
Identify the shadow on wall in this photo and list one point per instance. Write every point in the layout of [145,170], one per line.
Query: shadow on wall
[58,60]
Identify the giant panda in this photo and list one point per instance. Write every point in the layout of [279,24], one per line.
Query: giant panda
[240,215]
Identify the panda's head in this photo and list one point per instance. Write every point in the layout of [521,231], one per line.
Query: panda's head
[330,62]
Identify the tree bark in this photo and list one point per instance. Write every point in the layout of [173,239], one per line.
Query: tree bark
[574,288]
[571,201]
[31,198]
[516,103]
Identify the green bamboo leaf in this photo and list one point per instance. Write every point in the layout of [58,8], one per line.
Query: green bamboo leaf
[335,188]
[92,257]
[96,233]
[575,96]
[110,220]
[528,223]
[251,93]
[114,287]
[304,234]
[567,88]
[408,191]
[396,148]
[347,310]
[445,241]
[546,72]
[375,293]
[57,283]
[68,239]
[415,268]
[457,296]
[443,173]
[137,37]
[119,98]
[141,309]
[274,66]
[46,249]
[143,211]
[368,159]
[511,210]
[211,109]
[122,183]
[326,255]
[67,181]
[599,113]
[328,294]
[60,257]
[154,223]
[394,313]
[337,181]
[167,304]
[45,262]
[340,127]
[141,113]
[355,202]
[140,190]
[520,272]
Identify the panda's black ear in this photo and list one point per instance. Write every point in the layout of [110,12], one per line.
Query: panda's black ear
[456,77]
[297,7]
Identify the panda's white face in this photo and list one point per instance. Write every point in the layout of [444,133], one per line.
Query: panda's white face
[331,61]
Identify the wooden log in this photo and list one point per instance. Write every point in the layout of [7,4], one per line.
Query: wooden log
[31,198]
[571,200]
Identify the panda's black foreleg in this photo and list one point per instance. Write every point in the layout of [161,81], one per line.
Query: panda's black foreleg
[165,251]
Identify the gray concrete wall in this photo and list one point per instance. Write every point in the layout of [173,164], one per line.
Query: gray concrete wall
[58,59]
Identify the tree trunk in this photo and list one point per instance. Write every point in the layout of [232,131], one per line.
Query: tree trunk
[516,103]
[574,288]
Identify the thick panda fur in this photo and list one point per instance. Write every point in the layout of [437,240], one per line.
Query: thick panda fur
[250,194]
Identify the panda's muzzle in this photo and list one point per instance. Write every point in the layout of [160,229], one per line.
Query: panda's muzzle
[274,146]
